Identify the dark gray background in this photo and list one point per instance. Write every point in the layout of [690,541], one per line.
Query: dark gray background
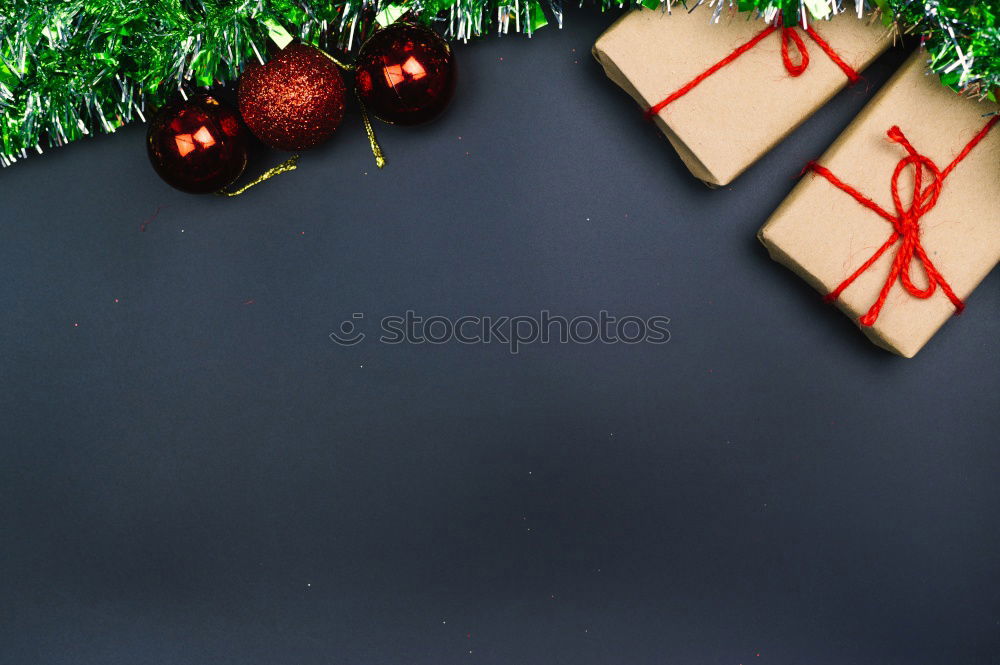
[196,474]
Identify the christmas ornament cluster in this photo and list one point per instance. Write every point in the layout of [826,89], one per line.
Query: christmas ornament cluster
[72,68]
[405,74]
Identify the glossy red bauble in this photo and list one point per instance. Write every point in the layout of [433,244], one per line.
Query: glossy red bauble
[295,101]
[405,74]
[198,145]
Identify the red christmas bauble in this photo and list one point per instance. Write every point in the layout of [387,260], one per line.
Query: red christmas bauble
[295,101]
[198,145]
[405,74]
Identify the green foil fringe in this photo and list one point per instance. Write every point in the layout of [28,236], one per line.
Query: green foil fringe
[72,68]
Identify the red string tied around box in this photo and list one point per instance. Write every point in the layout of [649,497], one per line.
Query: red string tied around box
[905,222]
[789,37]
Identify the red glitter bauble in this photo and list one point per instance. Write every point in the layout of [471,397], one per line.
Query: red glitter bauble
[405,74]
[295,101]
[198,145]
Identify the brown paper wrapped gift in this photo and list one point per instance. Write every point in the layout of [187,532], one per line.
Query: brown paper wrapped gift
[744,109]
[825,234]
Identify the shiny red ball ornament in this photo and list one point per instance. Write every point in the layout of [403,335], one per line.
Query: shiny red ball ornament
[405,74]
[198,145]
[295,101]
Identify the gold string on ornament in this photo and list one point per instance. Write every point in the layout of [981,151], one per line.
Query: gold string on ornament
[365,118]
[289,164]
[370,131]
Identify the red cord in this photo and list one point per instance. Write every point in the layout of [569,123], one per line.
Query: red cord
[849,72]
[788,36]
[653,110]
[906,223]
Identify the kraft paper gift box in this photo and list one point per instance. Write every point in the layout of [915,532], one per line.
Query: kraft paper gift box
[825,234]
[741,111]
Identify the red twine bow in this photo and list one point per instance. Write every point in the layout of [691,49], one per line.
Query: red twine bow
[789,36]
[905,223]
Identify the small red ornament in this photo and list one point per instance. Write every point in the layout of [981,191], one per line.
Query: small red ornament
[295,101]
[198,145]
[405,74]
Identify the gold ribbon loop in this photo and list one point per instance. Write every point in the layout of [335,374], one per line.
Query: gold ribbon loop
[370,131]
[365,119]
[289,164]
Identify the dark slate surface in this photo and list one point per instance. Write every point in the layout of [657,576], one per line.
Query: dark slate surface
[192,472]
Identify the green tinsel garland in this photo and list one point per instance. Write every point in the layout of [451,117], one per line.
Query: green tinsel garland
[69,68]
[962,38]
